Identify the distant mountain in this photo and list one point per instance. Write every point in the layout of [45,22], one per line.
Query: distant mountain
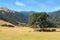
[17,18]
[54,15]
[14,17]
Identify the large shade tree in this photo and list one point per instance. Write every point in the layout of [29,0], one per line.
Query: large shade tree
[39,19]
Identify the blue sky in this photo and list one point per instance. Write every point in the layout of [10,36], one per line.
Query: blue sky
[31,5]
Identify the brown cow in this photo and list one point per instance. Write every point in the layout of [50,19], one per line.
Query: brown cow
[53,30]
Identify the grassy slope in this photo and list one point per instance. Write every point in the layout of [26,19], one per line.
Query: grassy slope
[25,34]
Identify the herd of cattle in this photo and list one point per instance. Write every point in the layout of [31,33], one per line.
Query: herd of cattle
[45,30]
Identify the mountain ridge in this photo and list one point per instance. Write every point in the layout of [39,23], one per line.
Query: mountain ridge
[17,18]
[13,17]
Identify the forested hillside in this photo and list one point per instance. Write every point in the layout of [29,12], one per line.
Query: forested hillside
[17,18]
[13,17]
[55,17]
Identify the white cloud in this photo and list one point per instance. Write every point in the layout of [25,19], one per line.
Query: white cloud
[19,4]
[57,8]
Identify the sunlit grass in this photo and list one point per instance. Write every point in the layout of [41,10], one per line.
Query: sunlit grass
[23,33]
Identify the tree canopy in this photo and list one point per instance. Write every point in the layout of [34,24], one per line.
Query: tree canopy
[39,19]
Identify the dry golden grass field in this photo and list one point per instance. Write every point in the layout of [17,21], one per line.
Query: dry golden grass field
[26,33]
